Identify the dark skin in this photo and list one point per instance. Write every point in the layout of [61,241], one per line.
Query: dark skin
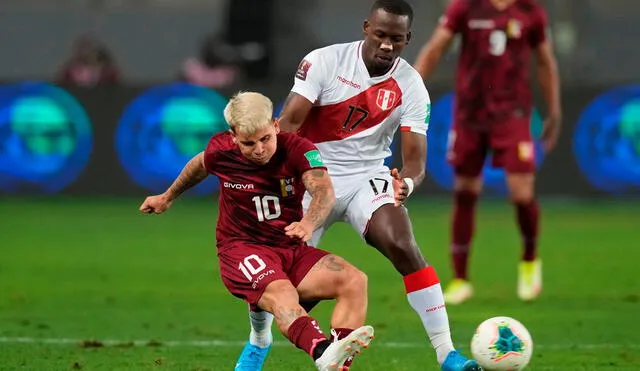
[390,230]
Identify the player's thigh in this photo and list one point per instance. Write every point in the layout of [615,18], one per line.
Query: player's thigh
[247,270]
[466,151]
[369,194]
[514,151]
[513,147]
[383,225]
[330,277]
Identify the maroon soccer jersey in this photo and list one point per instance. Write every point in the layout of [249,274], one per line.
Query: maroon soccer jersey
[492,82]
[258,201]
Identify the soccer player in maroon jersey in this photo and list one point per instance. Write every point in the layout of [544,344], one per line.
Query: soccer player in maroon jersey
[493,106]
[261,233]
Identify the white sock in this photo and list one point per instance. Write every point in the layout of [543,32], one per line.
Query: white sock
[260,335]
[425,297]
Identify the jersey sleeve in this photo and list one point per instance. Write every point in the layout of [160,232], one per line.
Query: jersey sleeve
[211,155]
[310,75]
[538,33]
[417,112]
[455,16]
[305,156]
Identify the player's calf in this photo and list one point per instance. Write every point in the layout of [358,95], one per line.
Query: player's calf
[281,299]
[332,277]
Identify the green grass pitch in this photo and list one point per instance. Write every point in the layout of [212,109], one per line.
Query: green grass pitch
[91,284]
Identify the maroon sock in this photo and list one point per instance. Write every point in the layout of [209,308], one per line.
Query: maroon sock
[305,333]
[340,333]
[462,230]
[528,215]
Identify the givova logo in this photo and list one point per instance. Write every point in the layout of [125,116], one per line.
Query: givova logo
[45,138]
[163,128]
[438,136]
[606,141]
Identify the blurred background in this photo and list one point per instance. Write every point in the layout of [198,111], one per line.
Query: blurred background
[142,82]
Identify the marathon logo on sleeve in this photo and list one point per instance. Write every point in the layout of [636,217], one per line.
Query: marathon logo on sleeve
[303,69]
[314,158]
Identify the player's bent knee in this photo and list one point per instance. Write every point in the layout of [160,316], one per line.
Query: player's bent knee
[355,284]
[278,293]
[349,280]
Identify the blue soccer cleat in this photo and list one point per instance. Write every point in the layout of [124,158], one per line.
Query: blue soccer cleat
[457,362]
[252,358]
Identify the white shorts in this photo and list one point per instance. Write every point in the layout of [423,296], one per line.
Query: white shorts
[357,198]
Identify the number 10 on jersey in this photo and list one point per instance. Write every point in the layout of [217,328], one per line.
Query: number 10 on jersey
[267,207]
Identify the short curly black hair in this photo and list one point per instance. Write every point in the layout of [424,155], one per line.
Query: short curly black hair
[399,7]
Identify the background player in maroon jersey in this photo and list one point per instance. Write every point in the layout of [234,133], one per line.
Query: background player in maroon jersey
[493,107]
[261,233]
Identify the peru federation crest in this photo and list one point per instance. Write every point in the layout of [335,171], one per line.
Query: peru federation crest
[386,99]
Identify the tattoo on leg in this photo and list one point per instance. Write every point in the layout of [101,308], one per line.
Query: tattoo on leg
[333,263]
[287,315]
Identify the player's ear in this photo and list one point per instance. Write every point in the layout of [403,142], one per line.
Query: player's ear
[365,26]
[409,35]
[276,125]
[233,137]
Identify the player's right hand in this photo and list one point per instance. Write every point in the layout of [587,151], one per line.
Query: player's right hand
[550,132]
[299,230]
[400,188]
[156,204]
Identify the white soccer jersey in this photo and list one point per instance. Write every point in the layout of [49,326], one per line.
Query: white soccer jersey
[355,116]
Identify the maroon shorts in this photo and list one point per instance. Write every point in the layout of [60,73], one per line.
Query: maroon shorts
[247,269]
[511,144]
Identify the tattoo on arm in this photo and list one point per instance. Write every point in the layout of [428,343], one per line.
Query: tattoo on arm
[318,184]
[286,316]
[192,174]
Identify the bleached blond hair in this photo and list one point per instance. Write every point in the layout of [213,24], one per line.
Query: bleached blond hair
[247,112]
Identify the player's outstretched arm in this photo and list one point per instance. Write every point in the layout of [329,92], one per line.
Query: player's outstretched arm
[192,173]
[414,154]
[320,187]
[550,84]
[432,51]
[294,112]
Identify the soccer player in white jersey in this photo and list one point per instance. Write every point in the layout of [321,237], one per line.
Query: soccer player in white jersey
[349,100]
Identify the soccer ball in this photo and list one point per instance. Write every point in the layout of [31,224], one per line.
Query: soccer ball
[502,344]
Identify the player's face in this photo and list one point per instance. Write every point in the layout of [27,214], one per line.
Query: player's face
[260,146]
[386,35]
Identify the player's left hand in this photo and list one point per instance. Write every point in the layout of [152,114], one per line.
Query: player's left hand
[400,188]
[551,132]
[301,230]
